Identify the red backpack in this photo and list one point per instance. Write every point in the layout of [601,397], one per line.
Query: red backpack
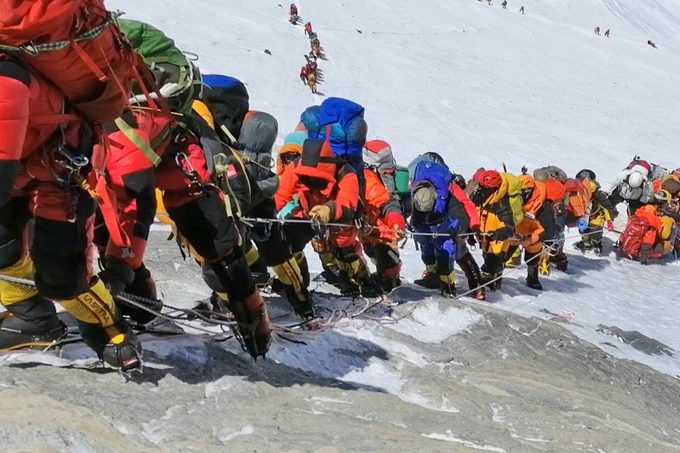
[634,236]
[76,45]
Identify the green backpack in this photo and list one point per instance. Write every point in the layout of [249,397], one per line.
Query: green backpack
[178,79]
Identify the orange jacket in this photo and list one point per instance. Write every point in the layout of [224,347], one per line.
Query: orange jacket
[662,224]
[316,179]
[380,208]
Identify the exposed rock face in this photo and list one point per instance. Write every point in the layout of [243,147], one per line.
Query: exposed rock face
[506,383]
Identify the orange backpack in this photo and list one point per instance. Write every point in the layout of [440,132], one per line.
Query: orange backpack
[638,232]
[578,197]
[77,46]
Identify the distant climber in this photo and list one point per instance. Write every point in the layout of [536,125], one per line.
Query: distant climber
[597,31]
[316,46]
[293,14]
[606,34]
[521,10]
[505,4]
[311,81]
[308,28]
[303,74]
[312,66]
[651,44]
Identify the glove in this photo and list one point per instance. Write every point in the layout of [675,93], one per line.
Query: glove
[321,213]
[397,225]
[501,235]
[609,225]
[582,224]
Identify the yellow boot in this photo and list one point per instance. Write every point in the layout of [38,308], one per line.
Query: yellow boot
[544,264]
[429,279]
[30,319]
[515,260]
[448,284]
[103,329]
[357,277]
[291,278]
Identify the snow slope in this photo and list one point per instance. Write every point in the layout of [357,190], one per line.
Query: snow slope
[481,85]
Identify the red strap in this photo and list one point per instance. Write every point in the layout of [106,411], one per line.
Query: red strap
[88,61]
[107,206]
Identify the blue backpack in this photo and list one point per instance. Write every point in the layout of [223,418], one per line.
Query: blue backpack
[340,121]
[439,176]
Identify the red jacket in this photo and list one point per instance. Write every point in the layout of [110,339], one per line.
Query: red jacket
[380,208]
[470,208]
[316,180]
[28,137]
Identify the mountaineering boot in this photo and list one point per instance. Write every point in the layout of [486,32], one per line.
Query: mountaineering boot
[430,279]
[291,279]
[30,321]
[116,345]
[447,284]
[253,322]
[346,286]
[515,259]
[597,247]
[356,271]
[119,277]
[103,329]
[560,261]
[492,281]
[386,282]
[143,286]
[473,275]
[583,246]
[371,288]
[532,278]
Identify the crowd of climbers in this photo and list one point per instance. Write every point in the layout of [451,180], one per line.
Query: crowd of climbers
[122,128]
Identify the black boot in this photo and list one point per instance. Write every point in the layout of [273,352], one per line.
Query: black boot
[115,345]
[472,273]
[301,305]
[532,278]
[143,286]
[346,285]
[33,320]
[429,280]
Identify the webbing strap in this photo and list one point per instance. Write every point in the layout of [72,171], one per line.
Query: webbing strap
[144,146]
[35,49]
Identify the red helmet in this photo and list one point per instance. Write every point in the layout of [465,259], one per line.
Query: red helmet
[490,179]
